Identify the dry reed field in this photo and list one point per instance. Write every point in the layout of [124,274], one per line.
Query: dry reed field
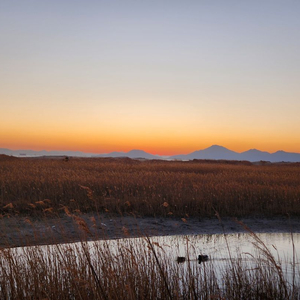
[147,188]
[49,188]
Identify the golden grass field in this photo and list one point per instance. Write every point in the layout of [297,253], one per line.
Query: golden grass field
[148,188]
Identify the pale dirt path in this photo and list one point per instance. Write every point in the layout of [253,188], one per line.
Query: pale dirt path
[19,231]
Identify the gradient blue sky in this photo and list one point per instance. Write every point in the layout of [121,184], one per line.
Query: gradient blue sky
[164,76]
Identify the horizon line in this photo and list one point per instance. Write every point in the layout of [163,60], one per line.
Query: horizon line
[136,149]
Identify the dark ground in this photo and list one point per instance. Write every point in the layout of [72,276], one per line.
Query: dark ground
[21,231]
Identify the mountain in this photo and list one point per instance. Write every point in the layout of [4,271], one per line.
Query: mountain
[284,156]
[255,155]
[213,152]
[131,154]
[279,156]
[141,154]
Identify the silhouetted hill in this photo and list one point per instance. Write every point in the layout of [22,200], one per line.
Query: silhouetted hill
[213,152]
[279,156]
[284,156]
[255,155]
[131,154]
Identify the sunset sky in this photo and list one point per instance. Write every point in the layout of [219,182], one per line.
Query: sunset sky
[167,77]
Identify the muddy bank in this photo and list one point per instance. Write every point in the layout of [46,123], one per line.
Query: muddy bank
[20,231]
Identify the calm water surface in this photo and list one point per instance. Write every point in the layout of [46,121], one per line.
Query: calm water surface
[223,250]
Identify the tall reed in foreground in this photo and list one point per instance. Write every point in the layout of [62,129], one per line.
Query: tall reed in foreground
[139,269]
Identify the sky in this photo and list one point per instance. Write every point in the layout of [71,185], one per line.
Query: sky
[167,77]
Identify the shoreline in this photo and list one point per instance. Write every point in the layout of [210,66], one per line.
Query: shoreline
[21,231]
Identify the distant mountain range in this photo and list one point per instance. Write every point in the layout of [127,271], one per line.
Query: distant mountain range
[213,152]
[253,155]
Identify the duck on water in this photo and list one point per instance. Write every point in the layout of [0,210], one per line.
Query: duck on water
[201,258]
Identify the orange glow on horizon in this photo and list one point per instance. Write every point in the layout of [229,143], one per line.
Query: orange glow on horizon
[167,148]
[173,140]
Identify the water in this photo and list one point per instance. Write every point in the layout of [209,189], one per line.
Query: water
[219,246]
[268,250]
[277,252]
[262,249]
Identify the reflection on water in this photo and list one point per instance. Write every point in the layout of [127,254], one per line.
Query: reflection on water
[220,246]
[217,246]
[223,251]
